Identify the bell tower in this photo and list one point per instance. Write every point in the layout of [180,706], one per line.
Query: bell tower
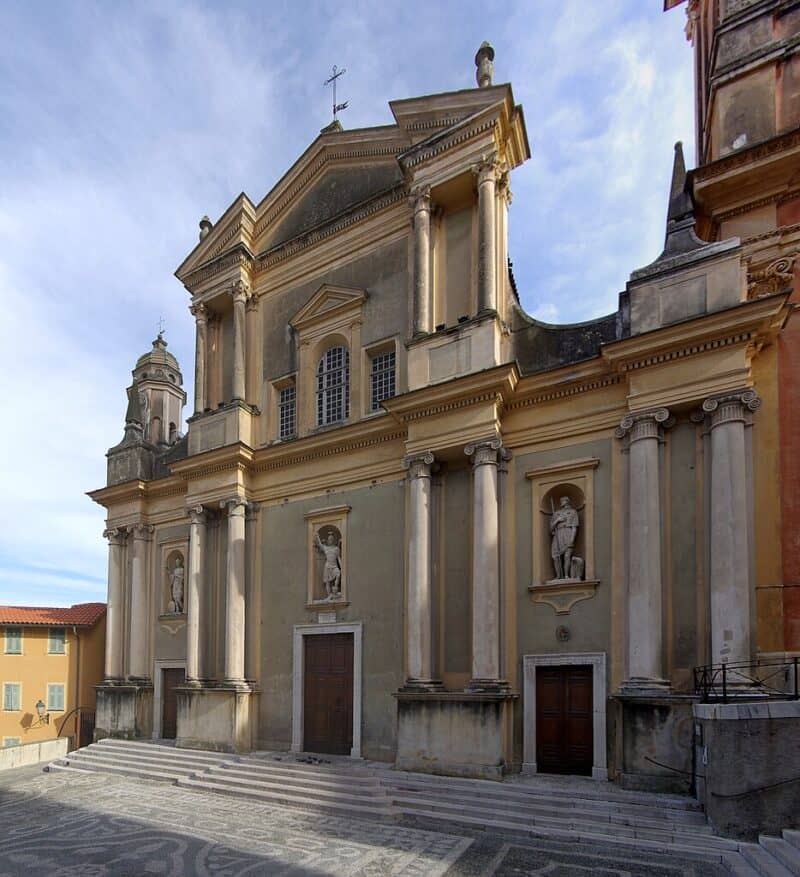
[158,379]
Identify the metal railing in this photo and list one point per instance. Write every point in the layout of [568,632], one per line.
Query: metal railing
[754,680]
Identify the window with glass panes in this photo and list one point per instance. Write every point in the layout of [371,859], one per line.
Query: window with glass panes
[382,378]
[12,696]
[287,412]
[11,741]
[55,696]
[333,386]
[57,641]
[13,641]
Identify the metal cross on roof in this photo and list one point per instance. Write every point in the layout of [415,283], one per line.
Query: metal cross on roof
[336,73]
[161,326]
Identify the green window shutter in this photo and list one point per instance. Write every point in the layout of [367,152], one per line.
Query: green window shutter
[11,696]
[13,640]
[55,697]
[56,644]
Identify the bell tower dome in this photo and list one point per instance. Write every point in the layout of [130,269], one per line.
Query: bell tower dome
[158,379]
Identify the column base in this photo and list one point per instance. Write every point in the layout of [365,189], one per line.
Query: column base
[488,686]
[643,686]
[413,685]
[124,709]
[223,718]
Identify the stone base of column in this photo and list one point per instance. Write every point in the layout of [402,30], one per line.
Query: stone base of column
[489,686]
[124,709]
[413,685]
[455,733]
[223,718]
[643,686]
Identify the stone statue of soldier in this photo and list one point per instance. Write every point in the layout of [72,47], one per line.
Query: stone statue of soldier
[563,529]
[176,586]
[332,568]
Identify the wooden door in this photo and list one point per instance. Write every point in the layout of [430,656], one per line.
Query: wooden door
[169,710]
[328,693]
[564,720]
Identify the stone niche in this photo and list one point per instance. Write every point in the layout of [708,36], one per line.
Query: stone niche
[327,549]
[173,584]
[562,497]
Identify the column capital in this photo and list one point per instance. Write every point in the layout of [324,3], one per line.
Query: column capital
[142,531]
[419,200]
[419,465]
[644,424]
[115,535]
[251,510]
[484,452]
[200,313]
[731,407]
[252,301]
[197,514]
[239,291]
[236,505]
[488,169]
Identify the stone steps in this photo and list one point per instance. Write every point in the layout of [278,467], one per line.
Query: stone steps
[783,849]
[763,862]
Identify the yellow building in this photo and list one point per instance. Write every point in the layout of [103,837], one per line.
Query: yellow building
[51,657]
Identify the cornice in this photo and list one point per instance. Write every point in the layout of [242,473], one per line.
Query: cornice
[425,150]
[760,318]
[127,491]
[494,384]
[240,256]
[776,233]
[563,392]
[236,456]
[757,152]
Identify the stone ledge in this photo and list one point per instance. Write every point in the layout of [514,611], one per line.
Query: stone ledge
[457,696]
[778,709]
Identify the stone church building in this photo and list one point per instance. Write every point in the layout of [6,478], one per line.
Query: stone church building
[408,522]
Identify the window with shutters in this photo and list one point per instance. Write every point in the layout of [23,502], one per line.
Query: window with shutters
[12,696]
[13,641]
[57,641]
[55,696]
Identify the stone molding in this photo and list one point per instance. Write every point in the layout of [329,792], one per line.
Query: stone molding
[419,465]
[731,407]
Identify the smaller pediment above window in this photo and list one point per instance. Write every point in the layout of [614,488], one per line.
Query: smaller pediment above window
[329,307]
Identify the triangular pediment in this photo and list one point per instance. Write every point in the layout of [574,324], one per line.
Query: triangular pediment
[328,303]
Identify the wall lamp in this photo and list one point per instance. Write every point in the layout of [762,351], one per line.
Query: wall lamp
[41,711]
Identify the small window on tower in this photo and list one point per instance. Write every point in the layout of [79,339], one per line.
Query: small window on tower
[287,412]
[382,377]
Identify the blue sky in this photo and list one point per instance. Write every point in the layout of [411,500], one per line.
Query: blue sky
[122,123]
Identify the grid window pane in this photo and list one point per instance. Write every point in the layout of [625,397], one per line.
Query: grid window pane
[13,640]
[287,412]
[12,696]
[382,378]
[57,641]
[55,696]
[333,386]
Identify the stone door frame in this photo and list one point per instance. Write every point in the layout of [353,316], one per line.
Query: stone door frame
[298,680]
[158,692]
[597,661]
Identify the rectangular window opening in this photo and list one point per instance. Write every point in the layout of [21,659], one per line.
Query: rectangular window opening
[13,639]
[382,378]
[12,696]
[57,641]
[55,696]
[287,412]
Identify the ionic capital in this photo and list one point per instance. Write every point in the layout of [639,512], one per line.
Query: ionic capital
[252,301]
[200,313]
[197,515]
[419,465]
[731,407]
[115,536]
[644,424]
[251,513]
[484,453]
[236,505]
[142,531]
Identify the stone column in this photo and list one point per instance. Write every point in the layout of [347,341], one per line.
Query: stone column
[201,328]
[251,343]
[114,613]
[729,537]
[420,647]
[645,649]
[234,592]
[239,294]
[421,205]
[139,593]
[195,671]
[487,173]
[485,566]
[252,595]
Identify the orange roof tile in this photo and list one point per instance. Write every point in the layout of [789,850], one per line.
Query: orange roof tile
[81,614]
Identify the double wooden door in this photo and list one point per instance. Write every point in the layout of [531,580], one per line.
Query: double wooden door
[564,720]
[171,679]
[328,693]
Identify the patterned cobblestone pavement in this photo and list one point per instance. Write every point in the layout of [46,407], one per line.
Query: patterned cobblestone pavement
[94,824]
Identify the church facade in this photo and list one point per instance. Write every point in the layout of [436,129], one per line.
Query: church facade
[410,523]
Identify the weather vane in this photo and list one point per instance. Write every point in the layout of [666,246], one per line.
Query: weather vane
[160,326]
[336,73]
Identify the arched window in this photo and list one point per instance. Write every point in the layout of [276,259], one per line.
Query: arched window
[333,386]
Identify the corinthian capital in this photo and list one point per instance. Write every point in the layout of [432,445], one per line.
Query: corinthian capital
[142,531]
[644,424]
[419,465]
[488,169]
[419,199]
[199,311]
[239,291]
[484,453]
[115,535]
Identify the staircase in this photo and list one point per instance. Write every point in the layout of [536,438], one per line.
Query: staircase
[557,808]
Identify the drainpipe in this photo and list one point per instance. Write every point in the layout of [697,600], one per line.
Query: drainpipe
[77,685]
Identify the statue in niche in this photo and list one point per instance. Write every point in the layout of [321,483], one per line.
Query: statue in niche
[176,576]
[564,530]
[330,549]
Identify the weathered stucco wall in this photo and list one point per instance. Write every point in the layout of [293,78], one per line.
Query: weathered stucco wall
[375,589]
